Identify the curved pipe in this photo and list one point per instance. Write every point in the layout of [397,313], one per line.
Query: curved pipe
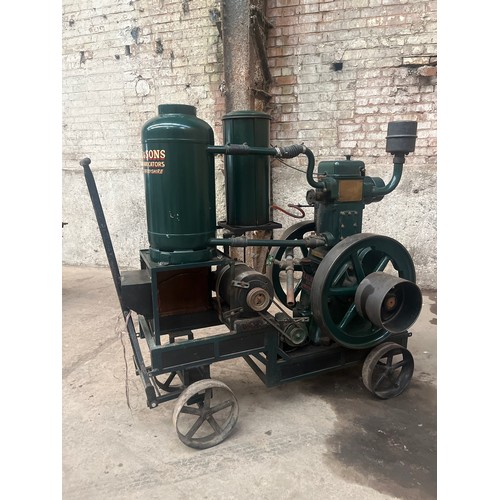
[393,183]
[296,150]
[301,215]
[310,169]
[286,152]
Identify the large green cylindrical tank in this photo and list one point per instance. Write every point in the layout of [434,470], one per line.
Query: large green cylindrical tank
[247,177]
[179,179]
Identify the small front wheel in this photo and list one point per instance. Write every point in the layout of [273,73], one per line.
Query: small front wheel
[168,385]
[387,370]
[205,414]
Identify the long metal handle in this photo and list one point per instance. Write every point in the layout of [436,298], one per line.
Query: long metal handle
[103,228]
[115,271]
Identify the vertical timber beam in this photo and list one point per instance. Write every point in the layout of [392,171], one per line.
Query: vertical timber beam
[243,63]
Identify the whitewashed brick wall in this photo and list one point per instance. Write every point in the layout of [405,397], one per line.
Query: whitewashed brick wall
[122,59]
[342,70]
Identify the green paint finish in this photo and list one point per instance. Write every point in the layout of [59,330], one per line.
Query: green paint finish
[247,177]
[179,179]
[341,168]
[339,210]
[337,278]
[339,207]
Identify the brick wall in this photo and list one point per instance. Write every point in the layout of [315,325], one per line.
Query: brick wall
[120,61]
[341,70]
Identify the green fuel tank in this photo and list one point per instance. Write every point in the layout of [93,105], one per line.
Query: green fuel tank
[247,177]
[179,178]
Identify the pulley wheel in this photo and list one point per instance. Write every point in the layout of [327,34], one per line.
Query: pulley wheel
[278,275]
[387,370]
[337,278]
[388,301]
[205,413]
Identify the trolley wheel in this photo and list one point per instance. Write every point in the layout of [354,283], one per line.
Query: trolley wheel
[337,278]
[168,385]
[387,370]
[205,413]
[277,275]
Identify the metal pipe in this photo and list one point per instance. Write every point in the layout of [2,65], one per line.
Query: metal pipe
[393,183]
[241,149]
[290,289]
[310,169]
[242,241]
[285,152]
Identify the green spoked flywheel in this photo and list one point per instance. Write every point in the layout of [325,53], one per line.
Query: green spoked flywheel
[276,273]
[338,277]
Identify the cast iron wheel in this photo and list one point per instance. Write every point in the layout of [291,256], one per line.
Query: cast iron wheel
[387,370]
[277,275]
[338,277]
[205,414]
[168,386]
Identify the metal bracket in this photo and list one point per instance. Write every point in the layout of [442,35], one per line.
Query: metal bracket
[232,312]
[240,284]
[260,25]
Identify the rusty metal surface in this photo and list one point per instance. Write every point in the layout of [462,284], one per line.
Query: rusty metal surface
[236,42]
[184,291]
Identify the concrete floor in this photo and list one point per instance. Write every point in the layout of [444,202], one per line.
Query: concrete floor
[324,438]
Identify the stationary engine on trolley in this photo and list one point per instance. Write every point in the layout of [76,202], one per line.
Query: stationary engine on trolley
[330,295]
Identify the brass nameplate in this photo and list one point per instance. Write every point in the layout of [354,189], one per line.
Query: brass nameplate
[351,190]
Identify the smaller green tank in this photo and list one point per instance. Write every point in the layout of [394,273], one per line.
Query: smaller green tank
[247,176]
[179,178]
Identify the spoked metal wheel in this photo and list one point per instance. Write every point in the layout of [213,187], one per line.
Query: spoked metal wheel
[277,275]
[387,370]
[205,413]
[338,277]
[170,384]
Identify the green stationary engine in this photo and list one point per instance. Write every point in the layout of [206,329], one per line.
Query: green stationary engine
[344,297]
